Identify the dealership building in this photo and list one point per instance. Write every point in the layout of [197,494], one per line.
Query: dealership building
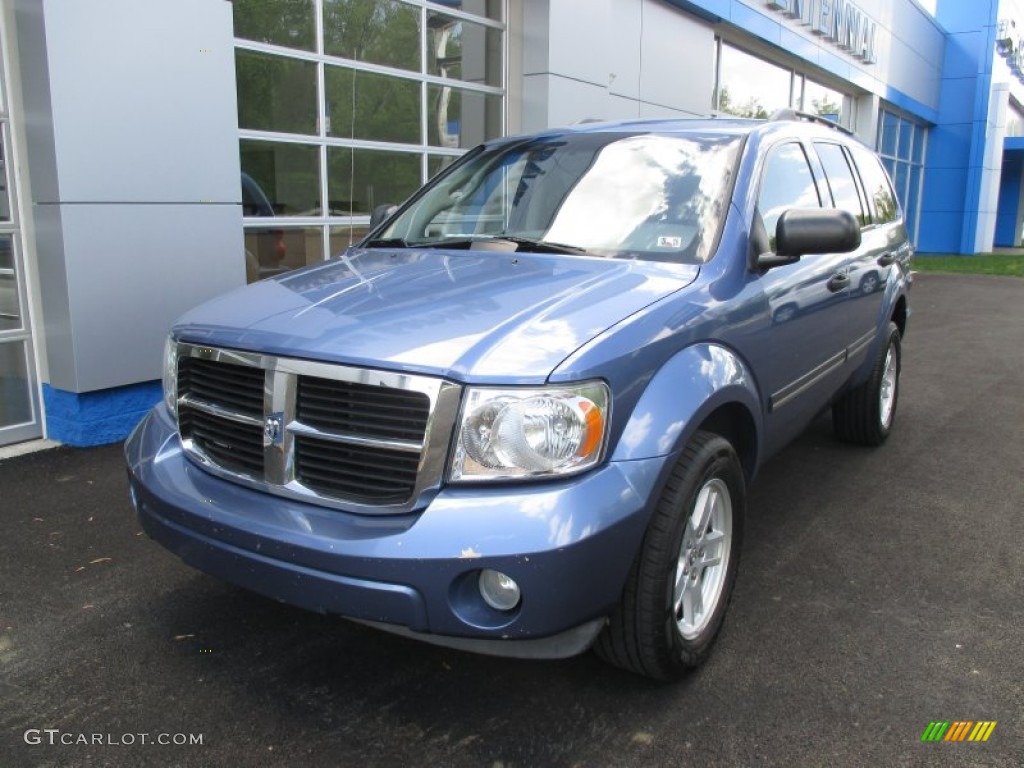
[156,154]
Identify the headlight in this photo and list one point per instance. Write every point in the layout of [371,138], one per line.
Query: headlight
[170,376]
[518,433]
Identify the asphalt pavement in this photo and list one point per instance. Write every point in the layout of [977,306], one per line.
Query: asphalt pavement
[879,590]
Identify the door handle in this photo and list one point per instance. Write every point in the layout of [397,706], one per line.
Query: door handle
[838,282]
[885,259]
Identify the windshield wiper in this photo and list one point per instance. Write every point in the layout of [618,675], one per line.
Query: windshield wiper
[543,246]
[534,244]
[386,242]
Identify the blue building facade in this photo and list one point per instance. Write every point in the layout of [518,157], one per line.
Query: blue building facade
[126,129]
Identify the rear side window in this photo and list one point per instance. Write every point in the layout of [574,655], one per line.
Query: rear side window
[841,182]
[786,183]
[876,184]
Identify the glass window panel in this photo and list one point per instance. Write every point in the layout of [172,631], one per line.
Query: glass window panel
[919,139]
[901,179]
[361,179]
[378,31]
[270,252]
[876,184]
[890,128]
[463,50]
[6,252]
[275,93]
[824,101]
[15,394]
[437,163]
[751,87]
[840,180]
[10,303]
[363,105]
[285,176]
[786,183]
[906,139]
[461,118]
[280,22]
[343,236]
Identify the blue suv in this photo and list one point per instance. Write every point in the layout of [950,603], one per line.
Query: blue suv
[520,417]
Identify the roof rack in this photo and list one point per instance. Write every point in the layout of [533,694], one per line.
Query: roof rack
[794,114]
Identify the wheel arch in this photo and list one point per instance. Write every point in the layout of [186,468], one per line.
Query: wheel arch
[735,423]
[899,315]
[703,387]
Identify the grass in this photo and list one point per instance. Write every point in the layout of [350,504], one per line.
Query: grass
[1006,265]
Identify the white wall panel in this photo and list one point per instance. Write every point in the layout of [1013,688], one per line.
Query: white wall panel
[581,41]
[133,269]
[678,56]
[143,100]
[613,59]
[626,49]
[571,101]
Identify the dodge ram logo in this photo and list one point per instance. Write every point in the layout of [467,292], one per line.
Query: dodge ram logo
[272,428]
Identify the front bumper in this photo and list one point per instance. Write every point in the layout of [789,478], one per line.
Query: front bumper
[569,545]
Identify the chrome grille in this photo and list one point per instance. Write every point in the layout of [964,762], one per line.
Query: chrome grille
[238,387]
[213,393]
[362,410]
[369,474]
[352,438]
[234,446]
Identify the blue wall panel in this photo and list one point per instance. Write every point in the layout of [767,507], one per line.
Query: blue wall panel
[961,58]
[951,198]
[947,187]
[949,145]
[939,233]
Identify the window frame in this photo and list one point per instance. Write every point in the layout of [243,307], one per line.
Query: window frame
[866,218]
[763,173]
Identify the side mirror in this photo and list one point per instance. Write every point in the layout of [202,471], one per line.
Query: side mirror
[812,230]
[381,213]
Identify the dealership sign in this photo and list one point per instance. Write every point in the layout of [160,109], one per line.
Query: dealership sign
[841,23]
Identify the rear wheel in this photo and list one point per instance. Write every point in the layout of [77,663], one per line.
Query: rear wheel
[865,415]
[679,587]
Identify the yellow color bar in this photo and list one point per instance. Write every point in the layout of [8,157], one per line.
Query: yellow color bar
[988,731]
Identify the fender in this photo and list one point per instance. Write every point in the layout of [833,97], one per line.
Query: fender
[688,388]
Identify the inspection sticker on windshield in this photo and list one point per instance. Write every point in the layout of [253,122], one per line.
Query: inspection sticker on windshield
[670,241]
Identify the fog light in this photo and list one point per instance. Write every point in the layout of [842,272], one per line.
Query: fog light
[498,590]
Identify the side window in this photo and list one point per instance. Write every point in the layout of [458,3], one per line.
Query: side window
[841,181]
[877,185]
[785,183]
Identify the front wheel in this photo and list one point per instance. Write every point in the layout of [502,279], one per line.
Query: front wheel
[865,415]
[677,592]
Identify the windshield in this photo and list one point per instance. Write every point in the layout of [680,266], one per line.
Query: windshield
[657,197]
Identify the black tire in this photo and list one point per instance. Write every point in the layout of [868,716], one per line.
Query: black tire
[645,633]
[860,416]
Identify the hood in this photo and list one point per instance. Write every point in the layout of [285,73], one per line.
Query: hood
[465,315]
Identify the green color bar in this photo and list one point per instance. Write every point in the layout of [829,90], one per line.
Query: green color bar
[935,730]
